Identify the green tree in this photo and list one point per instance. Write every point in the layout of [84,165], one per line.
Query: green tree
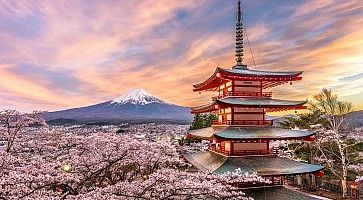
[203,121]
[327,117]
[332,141]
[304,120]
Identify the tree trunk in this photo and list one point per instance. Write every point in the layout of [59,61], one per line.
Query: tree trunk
[344,187]
[313,183]
[344,174]
[299,180]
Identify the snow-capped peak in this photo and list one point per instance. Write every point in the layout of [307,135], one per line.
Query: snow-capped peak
[136,96]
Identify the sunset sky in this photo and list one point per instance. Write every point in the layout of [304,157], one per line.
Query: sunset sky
[62,54]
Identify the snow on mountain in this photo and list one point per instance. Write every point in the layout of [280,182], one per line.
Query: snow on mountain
[137,97]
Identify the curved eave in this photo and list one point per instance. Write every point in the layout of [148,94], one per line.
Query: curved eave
[249,133]
[263,165]
[271,105]
[262,138]
[269,79]
[259,103]
[204,108]
[243,73]
[212,82]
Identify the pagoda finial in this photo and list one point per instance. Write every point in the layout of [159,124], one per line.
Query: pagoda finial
[239,39]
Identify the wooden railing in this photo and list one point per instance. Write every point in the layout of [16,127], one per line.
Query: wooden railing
[243,122]
[246,94]
[241,152]
[251,152]
[219,150]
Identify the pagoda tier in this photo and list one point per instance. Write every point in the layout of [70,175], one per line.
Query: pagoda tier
[267,79]
[237,141]
[250,133]
[264,165]
[263,104]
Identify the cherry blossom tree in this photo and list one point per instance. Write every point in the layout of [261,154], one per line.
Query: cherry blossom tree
[333,136]
[173,184]
[50,163]
[12,123]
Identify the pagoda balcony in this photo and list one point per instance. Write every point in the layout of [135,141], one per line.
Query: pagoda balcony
[245,94]
[242,152]
[242,123]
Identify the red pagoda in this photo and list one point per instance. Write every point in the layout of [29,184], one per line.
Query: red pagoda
[241,136]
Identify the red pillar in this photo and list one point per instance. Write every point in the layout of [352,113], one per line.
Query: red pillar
[261,87]
[232,148]
[232,115]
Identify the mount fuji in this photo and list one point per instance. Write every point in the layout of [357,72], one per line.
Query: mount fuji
[135,106]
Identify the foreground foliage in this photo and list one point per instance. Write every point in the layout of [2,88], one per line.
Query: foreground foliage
[46,163]
[334,145]
[203,121]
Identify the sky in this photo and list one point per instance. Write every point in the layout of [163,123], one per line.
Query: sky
[62,54]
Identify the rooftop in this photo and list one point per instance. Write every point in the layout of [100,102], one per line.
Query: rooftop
[259,101]
[268,78]
[263,165]
[250,133]
[271,74]
[251,102]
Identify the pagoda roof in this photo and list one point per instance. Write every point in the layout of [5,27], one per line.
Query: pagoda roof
[250,133]
[259,101]
[269,78]
[263,165]
[249,72]
[250,102]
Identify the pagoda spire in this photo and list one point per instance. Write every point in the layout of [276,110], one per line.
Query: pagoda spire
[239,39]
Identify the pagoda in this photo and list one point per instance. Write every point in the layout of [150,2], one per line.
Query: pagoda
[240,138]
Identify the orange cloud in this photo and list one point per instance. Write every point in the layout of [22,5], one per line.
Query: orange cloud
[165,47]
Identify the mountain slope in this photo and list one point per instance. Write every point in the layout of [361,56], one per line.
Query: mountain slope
[136,104]
[355,119]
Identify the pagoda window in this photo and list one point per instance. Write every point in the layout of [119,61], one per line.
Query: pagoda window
[247,88]
[248,114]
[250,148]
